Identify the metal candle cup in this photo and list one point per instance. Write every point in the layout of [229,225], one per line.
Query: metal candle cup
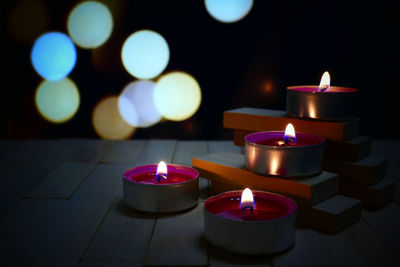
[335,103]
[142,191]
[269,228]
[267,154]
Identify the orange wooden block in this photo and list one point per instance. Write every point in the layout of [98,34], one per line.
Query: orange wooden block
[372,197]
[229,168]
[329,216]
[253,119]
[353,149]
[367,171]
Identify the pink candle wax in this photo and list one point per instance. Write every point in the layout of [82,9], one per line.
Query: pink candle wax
[146,174]
[268,206]
[315,89]
[276,138]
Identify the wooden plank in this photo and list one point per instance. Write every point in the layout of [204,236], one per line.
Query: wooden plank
[63,181]
[178,240]
[123,235]
[367,171]
[358,246]
[254,119]
[6,204]
[23,225]
[373,196]
[354,149]
[49,154]
[155,151]
[71,228]
[309,250]
[387,148]
[114,238]
[226,145]
[184,152]
[332,215]
[222,258]
[90,150]
[385,224]
[125,151]
[228,168]
[109,263]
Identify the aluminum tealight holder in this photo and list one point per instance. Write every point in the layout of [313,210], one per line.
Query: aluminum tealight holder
[245,235]
[307,101]
[266,153]
[143,193]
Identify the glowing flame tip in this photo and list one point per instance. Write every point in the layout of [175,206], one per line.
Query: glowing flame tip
[162,171]
[247,199]
[290,134]
[325,82]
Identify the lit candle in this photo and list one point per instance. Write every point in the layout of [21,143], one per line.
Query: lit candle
[161,188]
[323,102]
[285,154]
[250,222]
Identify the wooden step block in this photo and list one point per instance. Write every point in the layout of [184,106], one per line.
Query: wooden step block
[354,149]
[254,119]
[229,168]
[372,197]
[331,215]
[367,171]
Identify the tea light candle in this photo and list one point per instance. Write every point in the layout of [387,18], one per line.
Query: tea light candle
[323,102]
[250,222]
[161,188]
[284,154]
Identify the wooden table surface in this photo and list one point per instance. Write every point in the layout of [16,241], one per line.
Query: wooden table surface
[61,205]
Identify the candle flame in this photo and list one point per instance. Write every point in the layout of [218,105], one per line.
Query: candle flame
[290,134]
[162,172]
[247,200]
[325,82]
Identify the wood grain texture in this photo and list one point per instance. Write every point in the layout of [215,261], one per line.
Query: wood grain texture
[373,196]
[71,228]
[126,151]
[385,224]
[367,171]
[178,240]
[228,168]
[123,235]
[254,119]
[63,181]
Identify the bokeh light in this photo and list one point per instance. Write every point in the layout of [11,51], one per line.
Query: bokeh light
[145,54]
[136,104]
[228,11]
[108,122]
[177,96]
[53,55]
[57,101]
[27,19]
[90,24]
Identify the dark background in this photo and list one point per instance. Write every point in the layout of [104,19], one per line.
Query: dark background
[247,63]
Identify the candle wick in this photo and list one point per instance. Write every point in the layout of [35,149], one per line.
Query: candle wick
[288,140]
[249,208]
[323,89]
[159,176]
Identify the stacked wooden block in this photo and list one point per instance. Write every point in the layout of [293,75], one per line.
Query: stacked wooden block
[329,201]
[362,175]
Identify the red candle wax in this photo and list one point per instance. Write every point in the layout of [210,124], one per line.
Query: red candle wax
[147,174]
[271,138]
[268,206]
[315,89]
